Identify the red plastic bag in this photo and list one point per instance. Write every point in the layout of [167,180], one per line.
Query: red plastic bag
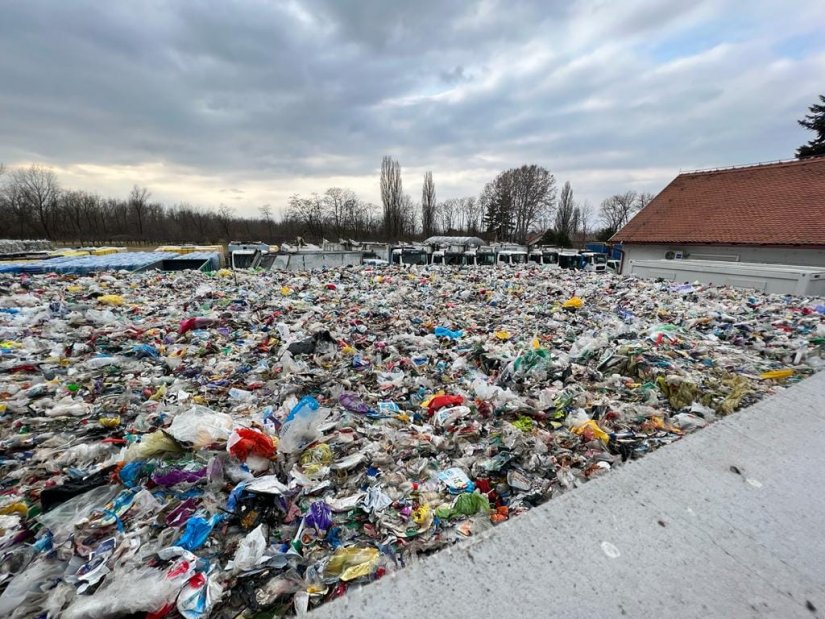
[246,442]
[198,322]
[440,401]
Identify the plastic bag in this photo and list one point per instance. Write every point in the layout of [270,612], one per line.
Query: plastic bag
[197,597]
[152,445]
[198,322]
[110,299]
[25,587]
[250,550]
[353,403]
[590,429]
[197,531]
[61,520]
[131,473]
[173,477]
[302,430]
[318,517]
[305,406]
[201,427]
[465,504]
[246,442]
[440,401]
[141,590]
[351,562]
[445,332]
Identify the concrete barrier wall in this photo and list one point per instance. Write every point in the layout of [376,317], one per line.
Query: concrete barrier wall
[309,261]
[725,523]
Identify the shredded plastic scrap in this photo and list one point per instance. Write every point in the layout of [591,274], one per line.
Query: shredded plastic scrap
[253,444]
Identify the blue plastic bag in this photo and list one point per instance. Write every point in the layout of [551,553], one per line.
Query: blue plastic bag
[197,531]
[305,405]
[445,332]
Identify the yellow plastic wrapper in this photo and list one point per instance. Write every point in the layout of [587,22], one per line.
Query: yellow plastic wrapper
[315,458]
[223,273]
[286,291]
[109,422]
[777,374]
[422,515]
[535,344]
[351,562]
[17,508]
[739,387]
[594,427]
[110,299]
[159,394]
[573,303]
[73,288]
[152,445]
[502,335]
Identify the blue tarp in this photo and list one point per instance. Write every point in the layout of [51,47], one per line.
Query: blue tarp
[81,265]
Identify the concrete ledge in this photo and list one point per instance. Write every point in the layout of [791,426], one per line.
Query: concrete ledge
[678,533]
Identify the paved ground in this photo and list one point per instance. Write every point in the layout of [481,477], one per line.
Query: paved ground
[729,522]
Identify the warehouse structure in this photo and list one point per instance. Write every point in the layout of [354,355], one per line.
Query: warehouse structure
[770,213]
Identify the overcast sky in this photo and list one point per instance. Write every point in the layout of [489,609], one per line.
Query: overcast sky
[246,103]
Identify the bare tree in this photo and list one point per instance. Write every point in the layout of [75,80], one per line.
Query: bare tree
[138,200]
[448,210]
[567,217]
[392,197]
[409,221]
[473,212]
[355,214]
[37,191]
[338,204]
[308,213]
[428,204]
[643,199]
[617,210]
[224,217]
[584,222]
[266,213]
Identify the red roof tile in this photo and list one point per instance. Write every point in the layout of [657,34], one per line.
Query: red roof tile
[774,204]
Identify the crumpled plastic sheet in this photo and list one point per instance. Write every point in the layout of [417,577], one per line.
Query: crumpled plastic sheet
[229,444]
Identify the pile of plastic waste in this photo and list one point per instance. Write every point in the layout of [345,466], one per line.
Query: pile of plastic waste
[253,444]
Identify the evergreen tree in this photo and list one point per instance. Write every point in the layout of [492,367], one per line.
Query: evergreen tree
[815,121]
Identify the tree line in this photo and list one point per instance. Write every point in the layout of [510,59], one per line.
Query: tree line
[511,207]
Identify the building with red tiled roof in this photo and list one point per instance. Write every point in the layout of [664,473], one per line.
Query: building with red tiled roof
[772,213]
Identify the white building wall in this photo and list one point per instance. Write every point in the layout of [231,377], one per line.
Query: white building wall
[734,253]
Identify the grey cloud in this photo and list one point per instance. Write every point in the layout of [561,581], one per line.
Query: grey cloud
[270,91]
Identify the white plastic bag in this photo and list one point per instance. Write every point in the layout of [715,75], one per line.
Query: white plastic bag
[302,430]
[200,427]
[250,550]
